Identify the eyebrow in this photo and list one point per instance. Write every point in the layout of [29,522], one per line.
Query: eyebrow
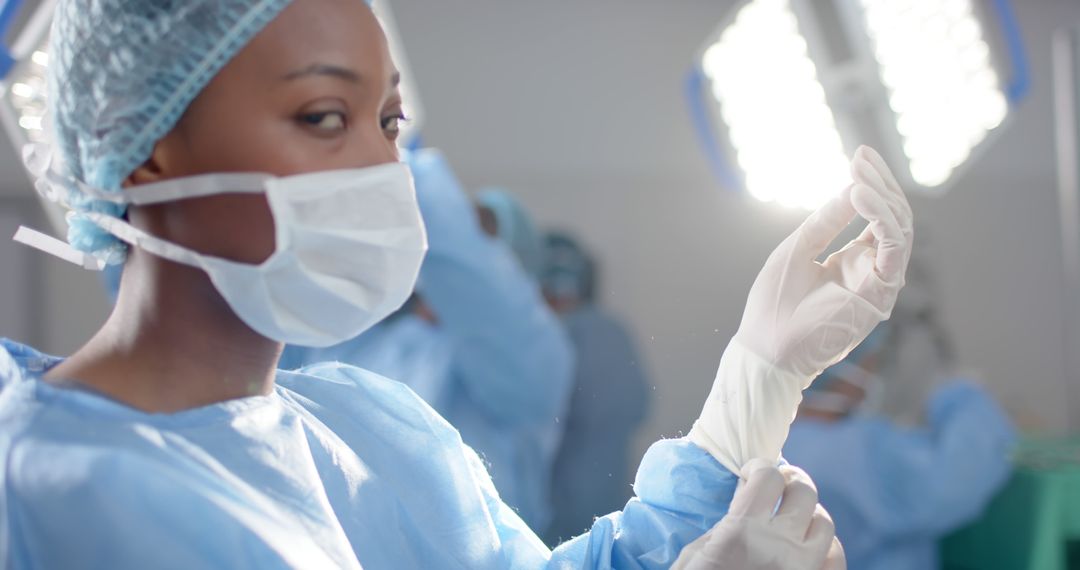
[326,70]
[334,71]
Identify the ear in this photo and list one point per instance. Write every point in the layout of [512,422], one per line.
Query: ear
[161,165]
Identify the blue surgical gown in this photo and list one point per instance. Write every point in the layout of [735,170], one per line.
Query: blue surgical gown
[894,492]
[497,364]
[336,468]
[609,401]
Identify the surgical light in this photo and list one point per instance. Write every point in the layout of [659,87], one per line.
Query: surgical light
[24,102]
[797,85]
[770,97]
[23,86]
[935,65]
[27,97]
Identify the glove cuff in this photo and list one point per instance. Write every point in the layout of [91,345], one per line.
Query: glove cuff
[749,410]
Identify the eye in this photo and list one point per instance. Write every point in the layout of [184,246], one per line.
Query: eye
[392,124]
[330,121]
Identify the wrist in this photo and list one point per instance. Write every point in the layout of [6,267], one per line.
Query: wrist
[749,410]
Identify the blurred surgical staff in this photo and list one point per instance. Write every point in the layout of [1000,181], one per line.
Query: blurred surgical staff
[503,216]
[895,491]
[609,399]
[477,342]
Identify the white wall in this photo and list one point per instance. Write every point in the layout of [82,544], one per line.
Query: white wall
[578,107]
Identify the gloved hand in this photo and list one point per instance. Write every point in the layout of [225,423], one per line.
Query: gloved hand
[803,316]
[758,535]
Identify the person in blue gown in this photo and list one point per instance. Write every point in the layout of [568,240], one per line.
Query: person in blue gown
[609,399]
[893,490]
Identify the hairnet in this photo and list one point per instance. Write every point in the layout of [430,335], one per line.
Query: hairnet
[515,228]
[121,73]
[568,271]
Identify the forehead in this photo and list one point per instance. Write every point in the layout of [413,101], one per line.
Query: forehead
[334,32]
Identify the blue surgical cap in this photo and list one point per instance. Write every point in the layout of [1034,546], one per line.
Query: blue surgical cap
[514,227]
[121,73]
[568,271]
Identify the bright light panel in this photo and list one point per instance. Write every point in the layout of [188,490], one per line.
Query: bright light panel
[779,122]
[936,67]
[27,95]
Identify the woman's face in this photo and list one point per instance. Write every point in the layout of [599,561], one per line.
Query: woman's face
[315,90]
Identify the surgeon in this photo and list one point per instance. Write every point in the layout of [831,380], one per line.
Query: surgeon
[239,157]
[476,342]
[894,491]
[609,398]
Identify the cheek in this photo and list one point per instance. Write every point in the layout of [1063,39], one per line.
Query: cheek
[265,145]
[231,226]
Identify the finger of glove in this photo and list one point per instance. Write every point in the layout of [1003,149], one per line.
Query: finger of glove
[798,503]
[763,489]
[819,537]
[867,238]
[892,245]
[835,559]
[878,163]
[824,225]
[863,172]
[903,212]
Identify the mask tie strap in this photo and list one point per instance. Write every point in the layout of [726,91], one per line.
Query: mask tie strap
[58,248]
[197,187]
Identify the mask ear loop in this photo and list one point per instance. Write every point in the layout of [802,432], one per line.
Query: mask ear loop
[142,240]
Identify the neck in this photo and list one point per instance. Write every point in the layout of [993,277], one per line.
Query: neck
[172,343]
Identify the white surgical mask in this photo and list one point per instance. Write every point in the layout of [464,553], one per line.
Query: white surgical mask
[349,244]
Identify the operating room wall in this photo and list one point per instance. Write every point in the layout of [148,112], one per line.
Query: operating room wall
[578,107]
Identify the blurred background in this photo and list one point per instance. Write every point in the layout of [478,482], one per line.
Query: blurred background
[582,110]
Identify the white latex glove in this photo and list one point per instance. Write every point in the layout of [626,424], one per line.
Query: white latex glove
[803,316]
[758,535]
